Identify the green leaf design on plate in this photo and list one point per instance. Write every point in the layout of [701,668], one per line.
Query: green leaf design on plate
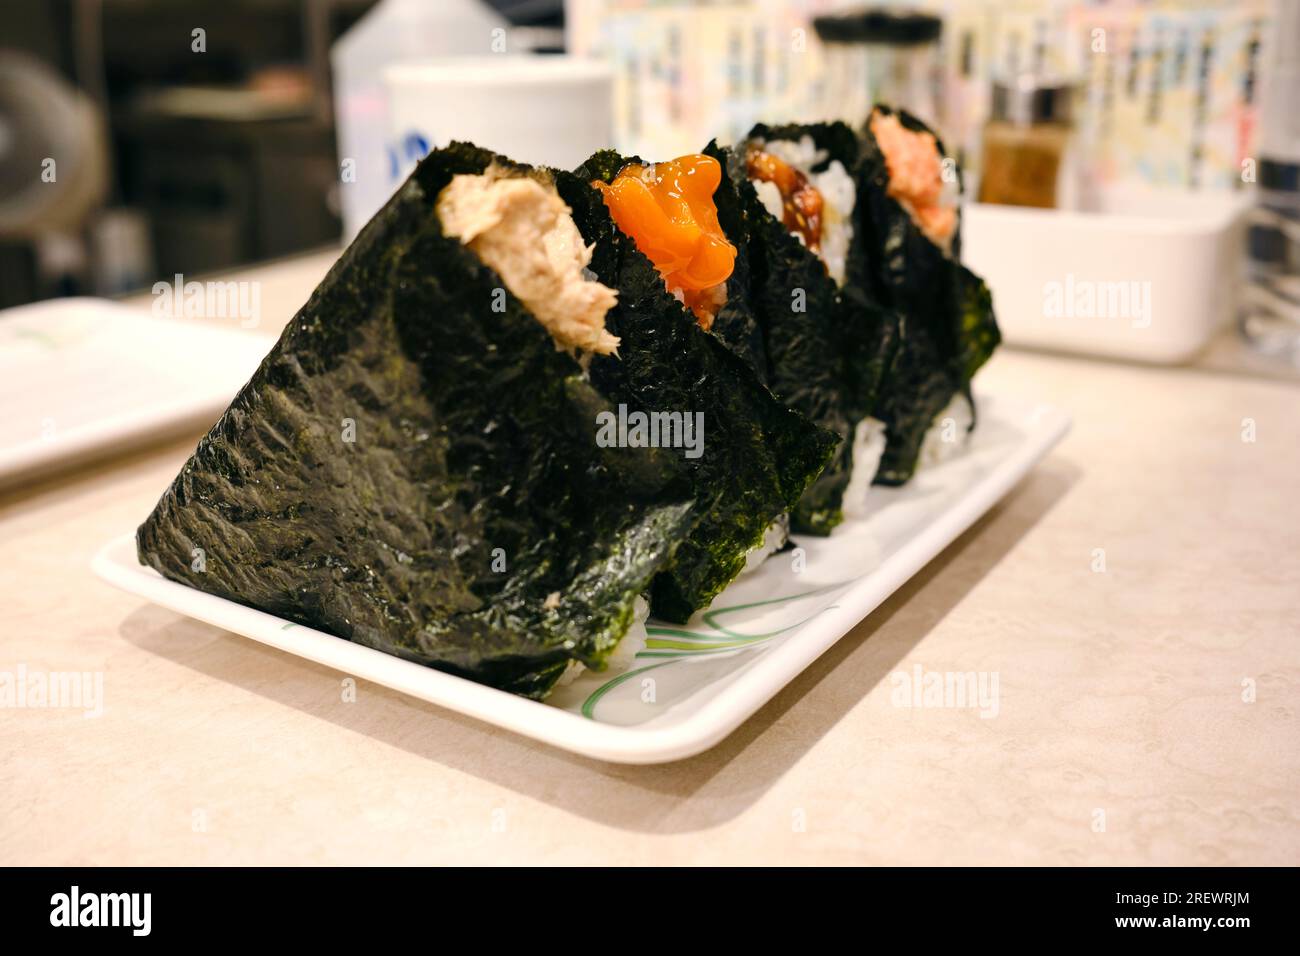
[676,644]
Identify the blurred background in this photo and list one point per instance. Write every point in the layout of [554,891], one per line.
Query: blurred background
[185,136]
[141,139]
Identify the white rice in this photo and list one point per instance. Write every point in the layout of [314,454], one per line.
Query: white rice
[770,196]
[572,671]
[624,652]
[774,539]
[868,447]
[838,196]
[946,436]
[949,432]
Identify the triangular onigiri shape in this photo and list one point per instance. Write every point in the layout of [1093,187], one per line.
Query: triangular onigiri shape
[828,342]
[948,326]
[758,455]
[414,467]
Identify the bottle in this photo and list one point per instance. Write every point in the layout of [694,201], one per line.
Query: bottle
[879,55]
[394,30]
[1028,159]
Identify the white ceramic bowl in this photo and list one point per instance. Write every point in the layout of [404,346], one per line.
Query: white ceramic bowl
[1151,279]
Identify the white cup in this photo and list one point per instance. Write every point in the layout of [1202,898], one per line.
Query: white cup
[538,109]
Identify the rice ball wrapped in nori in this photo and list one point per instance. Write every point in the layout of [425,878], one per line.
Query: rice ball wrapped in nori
[911,230]
[414,467]
[828,343]
[686,216]
[761,455]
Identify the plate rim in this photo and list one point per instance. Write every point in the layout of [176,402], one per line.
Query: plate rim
[716,718]
[127,430]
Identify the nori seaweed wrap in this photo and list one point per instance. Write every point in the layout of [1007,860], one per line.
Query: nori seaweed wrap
[948,329]
[417,464]
[414,467]
[761,454]
[828,343]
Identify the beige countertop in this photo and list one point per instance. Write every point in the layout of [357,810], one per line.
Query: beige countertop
[1149,712]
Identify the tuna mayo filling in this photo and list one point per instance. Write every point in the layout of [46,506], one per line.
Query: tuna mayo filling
[524,231]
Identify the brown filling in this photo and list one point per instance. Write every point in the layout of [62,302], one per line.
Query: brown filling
[800,200]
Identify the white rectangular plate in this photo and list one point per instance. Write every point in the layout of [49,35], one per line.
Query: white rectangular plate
[81,378]
[692,685]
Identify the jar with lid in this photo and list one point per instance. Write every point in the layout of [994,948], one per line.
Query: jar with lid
[1028,156]
[880,55]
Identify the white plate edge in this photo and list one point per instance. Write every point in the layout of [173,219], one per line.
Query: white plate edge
[132,429]
[731,707]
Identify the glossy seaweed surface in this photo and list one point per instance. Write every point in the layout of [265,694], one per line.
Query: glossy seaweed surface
[947,329]
[413,467]
[828,347]
[759,454]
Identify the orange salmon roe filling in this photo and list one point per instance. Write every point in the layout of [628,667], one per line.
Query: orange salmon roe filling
[669,212]
[915,175]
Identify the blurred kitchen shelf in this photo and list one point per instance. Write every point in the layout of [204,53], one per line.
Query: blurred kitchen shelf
[219,193]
